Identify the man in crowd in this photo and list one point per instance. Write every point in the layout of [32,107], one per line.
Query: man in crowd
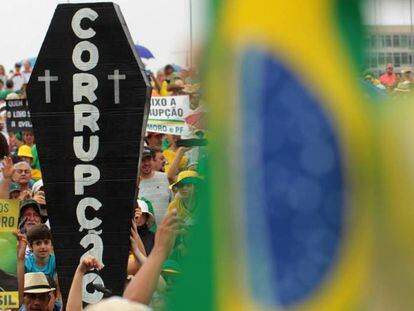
[154,140]
[27,71]
[18,77]
[20,173]
[154,186]
[36,292]
[30,212]
[389,78]
[26,155]
[158,160]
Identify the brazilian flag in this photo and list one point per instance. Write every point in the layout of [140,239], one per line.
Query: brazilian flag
[290,217]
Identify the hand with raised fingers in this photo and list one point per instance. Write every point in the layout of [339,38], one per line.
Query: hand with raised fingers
[8,168]
[21,244]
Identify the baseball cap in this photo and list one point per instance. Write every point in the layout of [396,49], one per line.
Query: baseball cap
[146,153]
[25,204]
[14,187]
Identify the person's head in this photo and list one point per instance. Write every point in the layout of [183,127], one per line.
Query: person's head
[40,241]
[25,154]
[145,217]
[146,163]
[28,138]
[406,74]
[168,70]
[36,291]
[9,84]
[2,70]
[154,140]
[22,173]
[158,160]
[194,100]
[30,211]
[160,75]
[14,191]
[27,66]
[185,184]
[17,67]
[389,68]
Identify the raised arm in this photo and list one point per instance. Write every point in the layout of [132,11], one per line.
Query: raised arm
[7,171]
[141,258]
[21,254]
[145,281]
[175,164]
[75,293]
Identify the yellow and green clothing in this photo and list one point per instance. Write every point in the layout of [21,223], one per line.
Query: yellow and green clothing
[170,156]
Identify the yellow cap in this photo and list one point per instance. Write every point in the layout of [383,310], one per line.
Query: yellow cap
[186,176]
[25,151]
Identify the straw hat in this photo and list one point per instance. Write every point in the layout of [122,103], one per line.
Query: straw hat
[36,283]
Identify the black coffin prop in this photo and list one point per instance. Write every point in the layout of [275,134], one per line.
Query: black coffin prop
[89,101]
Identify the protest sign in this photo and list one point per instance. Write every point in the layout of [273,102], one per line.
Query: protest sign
[167,114]
[9,296]
[18,115]
[88,100]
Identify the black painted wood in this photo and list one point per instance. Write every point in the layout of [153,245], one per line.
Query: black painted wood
[121,128]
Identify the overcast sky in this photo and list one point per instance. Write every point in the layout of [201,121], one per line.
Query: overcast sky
[160,25]
[387,12]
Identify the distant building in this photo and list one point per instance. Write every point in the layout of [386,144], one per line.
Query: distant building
[388,44]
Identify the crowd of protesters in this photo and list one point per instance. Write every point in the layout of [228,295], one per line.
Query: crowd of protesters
[167,196]
[391,82]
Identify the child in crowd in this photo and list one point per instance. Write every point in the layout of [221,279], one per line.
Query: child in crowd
[41,259]
[145,221]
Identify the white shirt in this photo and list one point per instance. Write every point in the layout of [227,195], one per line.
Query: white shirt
[156,190]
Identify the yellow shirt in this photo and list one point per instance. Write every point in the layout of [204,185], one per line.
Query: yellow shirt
[170,156]
[162,92]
